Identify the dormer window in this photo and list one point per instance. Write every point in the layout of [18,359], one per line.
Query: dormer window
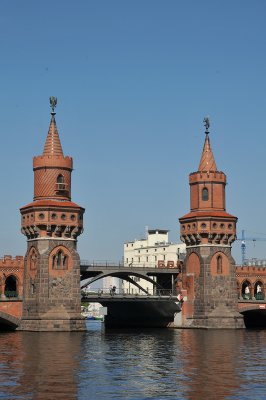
[205,194]
[60,183]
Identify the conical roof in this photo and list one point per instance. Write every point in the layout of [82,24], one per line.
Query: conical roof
[207,162]
[52,145]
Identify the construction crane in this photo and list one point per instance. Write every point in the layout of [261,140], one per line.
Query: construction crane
[243,241]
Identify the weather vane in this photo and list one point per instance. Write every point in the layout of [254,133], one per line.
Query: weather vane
[206,123]
[53,102]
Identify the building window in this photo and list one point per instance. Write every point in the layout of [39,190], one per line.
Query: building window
[60,179]
[127,260]
[60,185]
[164,257]
[139,259]
[147,259]
[205,194]
[155,258]
[60,260]
[11,286]
[219,265]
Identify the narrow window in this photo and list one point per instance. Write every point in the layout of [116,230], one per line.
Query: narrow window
[219,265]
[60,185]
[60,179]
[205,194]
[60,260]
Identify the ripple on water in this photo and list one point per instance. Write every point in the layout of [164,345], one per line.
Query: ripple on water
[133,364]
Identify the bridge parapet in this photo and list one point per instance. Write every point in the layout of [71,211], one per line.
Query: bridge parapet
[248,305]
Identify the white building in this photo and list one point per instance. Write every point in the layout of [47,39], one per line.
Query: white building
[154,251]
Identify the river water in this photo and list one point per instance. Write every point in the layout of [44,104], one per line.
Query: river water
[136,364]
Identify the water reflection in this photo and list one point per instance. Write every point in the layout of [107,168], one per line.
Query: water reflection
[133,364]
[39,365]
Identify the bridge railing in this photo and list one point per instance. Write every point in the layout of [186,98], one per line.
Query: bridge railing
[128,292]
[121,264]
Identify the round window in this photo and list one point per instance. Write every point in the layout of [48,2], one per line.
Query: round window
[230,226]
[188,227]
[41,216]
[222,226]
[73,217]
[63,216]
[53,216]
[203,225]
[214,225]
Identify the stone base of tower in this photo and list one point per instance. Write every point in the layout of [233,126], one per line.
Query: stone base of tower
[214,323]
[50,325]
[220,318]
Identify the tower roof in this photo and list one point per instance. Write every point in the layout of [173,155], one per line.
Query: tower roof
[52,145]
[207,162]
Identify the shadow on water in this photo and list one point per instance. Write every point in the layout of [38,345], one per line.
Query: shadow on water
[133,364]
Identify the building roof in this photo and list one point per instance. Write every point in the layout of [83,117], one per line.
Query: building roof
[52,145]
[208,214]
[207,162]
[51,203]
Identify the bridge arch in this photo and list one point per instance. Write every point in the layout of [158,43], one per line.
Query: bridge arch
[124,276]
[8,322]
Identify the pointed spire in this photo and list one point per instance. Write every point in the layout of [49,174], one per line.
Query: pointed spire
[207,162]
[53,145]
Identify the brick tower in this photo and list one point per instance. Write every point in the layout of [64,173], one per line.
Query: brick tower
[209,231]
[52,223]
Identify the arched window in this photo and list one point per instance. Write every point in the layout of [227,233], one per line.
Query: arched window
[258,291]
[60,260]
[11,286]
[60,179]
[205,194]
[33,260]
[246,290]
[60,182]
[219,265]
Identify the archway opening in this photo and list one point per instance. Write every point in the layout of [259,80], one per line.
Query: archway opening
[246,290]
[258,291]
[11,287]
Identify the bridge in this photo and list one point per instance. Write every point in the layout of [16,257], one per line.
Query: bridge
[160,306]
[133,310]
[254,312]
[165,277]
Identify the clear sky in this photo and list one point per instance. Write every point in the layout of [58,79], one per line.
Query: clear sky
[134,80]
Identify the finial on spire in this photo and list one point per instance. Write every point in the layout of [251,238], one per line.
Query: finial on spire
[206,123]
[53,103]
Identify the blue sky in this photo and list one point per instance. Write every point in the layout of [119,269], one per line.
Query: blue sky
[134,80]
